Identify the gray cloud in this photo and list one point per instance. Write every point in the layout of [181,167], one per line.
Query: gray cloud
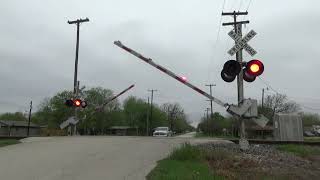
[38,46]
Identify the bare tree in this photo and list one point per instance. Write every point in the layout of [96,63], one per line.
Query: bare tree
[174,111]
[279,103]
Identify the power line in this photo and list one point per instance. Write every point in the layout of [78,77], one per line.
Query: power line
[248,5]
[290,97]
[310,108]
[268,85]
[234,4]
[217,39]
[240,4]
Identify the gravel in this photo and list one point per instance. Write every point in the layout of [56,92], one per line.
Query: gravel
[269,160]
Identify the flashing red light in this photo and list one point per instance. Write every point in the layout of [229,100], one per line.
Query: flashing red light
[254,67]
[77,102]
[184,78]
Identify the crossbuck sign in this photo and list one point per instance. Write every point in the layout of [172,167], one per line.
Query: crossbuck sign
[242,43]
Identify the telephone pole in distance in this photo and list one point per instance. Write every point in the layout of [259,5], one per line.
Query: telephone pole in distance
[210,85]
[151,106]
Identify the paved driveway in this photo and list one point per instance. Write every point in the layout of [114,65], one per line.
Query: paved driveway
[86,157]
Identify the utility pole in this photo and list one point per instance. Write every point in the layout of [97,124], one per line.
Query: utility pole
[262,97]
[147,130]
[207,113]
[76,109]
[238,30]
[262,100]
[151,105]
[210,85]
[29,119]
[77,22]
[75,80]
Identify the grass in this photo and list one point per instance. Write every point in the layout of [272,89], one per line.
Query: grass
[6,142]
[300,150]
[195,163]
[186,153]
[185,163]
[184,170]
[312,139]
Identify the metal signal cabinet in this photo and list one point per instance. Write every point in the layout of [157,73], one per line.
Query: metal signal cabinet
[288,127]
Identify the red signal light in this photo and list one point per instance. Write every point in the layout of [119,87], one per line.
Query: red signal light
[184,78]
[77,102]
[254,67]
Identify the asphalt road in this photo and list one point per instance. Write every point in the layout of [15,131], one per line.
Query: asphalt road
[188,135]
[86,157]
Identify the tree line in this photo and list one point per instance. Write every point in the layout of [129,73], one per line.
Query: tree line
[133,112]
[276,103]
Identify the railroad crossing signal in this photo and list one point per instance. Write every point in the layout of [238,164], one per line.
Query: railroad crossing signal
[242,42]
[76,103]
[253,69]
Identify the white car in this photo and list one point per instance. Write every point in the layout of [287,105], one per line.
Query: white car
[162,132]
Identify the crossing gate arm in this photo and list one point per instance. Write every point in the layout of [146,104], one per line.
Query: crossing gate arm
[170,73]
[99,108]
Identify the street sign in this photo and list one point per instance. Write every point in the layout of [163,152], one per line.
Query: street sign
[242,43]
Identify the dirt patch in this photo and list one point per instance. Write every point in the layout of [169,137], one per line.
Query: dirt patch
[259,162]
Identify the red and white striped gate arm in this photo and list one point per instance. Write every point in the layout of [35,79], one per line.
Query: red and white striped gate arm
[118,95]
[170,73]
[99,108]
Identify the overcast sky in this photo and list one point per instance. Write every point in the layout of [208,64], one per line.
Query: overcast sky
[37,49]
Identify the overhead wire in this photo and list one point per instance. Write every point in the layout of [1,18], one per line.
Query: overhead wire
[240,4]
[268,85]
[248,5]
[291,98]
[217,39]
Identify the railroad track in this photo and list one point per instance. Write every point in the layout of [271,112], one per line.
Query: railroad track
[257,141]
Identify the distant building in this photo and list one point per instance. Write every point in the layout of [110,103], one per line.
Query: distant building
[257,132]
[18,128]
